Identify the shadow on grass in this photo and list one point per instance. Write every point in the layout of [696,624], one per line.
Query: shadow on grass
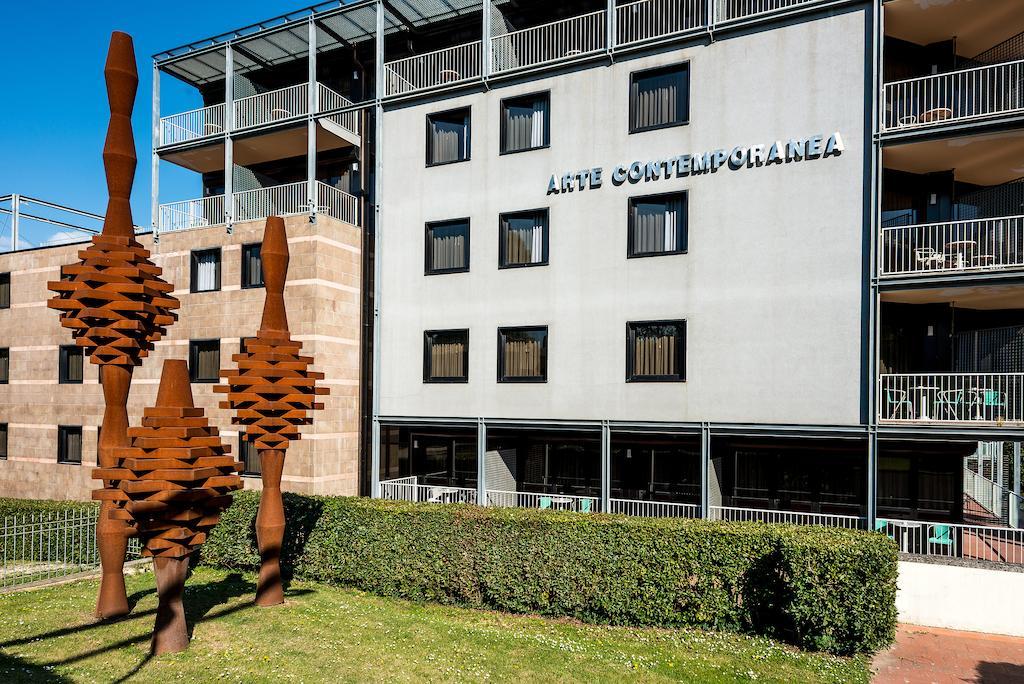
[200,601]
[14,669]
[999,673]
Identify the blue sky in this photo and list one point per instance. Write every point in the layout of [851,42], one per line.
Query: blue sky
[53,116]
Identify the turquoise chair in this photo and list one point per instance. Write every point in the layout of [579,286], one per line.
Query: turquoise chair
[941,535]
[584,505]
[881,524]
[545,502]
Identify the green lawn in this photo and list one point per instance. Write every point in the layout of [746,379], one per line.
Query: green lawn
[325,633]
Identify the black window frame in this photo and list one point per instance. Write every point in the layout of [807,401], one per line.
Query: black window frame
[194,267]
[502,256]
[685,67]
[246,275]
[428,228]
[502,125]
[62,431]
[4,438]
[428,146]
[242,443]
[428,343]
[631,375]
[63,356]
[5,354]
[502,331]
[683,236]
[5,278]
[193,358]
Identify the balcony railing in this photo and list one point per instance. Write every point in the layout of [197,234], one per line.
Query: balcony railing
[948,540]
[951,398]
[554,502]
[956,96]
[407,489]
[275,105]
[257,204]
[327,100]
[734,514]
[728,10]
[441,67]
[653,509]
[193,125]
[984,491]
[953,246]
[650,19]
[551,42]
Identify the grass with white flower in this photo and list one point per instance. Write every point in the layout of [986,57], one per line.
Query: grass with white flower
[325,633]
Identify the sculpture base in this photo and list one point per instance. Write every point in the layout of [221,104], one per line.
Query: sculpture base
[112,542]
[270,530]
[170,634]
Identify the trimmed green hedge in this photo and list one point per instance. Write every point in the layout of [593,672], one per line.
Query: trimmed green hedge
[19,507]
[42,542]
[826,589]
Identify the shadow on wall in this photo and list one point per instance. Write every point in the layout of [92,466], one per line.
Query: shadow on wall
[999,673]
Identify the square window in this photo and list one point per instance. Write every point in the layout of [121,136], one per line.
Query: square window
[70,365]
[656,351]
[5,290]
[657,225]
[252,265]
[525,123]
[523,354]
[5,365]
[3,441]
[448,137]
[249,455]
[446,356]
[69,444]
[447,247]
[659,98]
[523,239]
[205,270]
[242,342]
[204,360]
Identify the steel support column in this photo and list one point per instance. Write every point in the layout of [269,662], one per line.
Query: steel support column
[606,466]
[15,220]
[481,462]
[705,471]
[311,125]
[486,49]
[1015,494]
[377,243]
[154,206]
[229,128]
[872,477]
[611,22]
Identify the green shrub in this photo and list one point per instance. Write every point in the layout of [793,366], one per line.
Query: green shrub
[20,507]
[821,588]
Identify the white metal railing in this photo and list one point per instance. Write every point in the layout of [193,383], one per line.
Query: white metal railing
[440,67]
[954,96]
[275,105]
[277,200]
[653,509]
[948,540]
[648,19]
[951,397]
[554,502]
[550,42]
[337,203]
[734,514]
[327,100]
[727,10]
[195,213]
[45,545]
[953,246]
[198,123]
[984,491]
[403,489]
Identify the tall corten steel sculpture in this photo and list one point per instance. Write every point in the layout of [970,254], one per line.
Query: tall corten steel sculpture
[173,481]
[116,305]
[272,392]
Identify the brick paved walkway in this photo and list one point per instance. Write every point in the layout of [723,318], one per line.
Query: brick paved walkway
[928,655]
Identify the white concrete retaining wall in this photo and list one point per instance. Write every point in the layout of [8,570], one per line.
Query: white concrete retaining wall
[967,598]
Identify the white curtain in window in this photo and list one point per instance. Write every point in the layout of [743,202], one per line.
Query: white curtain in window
[526,124]
[522,358]
[524,239]
[449,141]
[656,225]
[447,359]
[448,251]
[539,122]
[206,271]
[656,100]
[656,353]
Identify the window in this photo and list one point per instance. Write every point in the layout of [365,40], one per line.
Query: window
[5,290]
[243,341]
[525,123]
[252,265]
[659,98]
[249,455]
[523,239]
[447,247]
[69,444]
[5,365]
[446,356]
[448,137]
[656,351]
[657,225]
[204,360]
[3,441]
[523,354]
[205,270]
[70,365]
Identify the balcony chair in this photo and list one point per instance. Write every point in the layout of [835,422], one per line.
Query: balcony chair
[940,535]
[584,505]
[545,502]
[881,524]
[949,404]
[896,399]
[927,257]
[988,401]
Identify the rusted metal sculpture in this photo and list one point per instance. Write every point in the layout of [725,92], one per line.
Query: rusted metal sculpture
[272,391]
[173,481]
[116,306]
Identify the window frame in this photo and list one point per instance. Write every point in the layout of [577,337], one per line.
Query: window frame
[245,275]
[6,277]
[685,66]
[241,457]
[62,457]
[5,353]
[502,265]
[502,128]
[683,238]
[5,434]
[502,378]
[62,364]
[631,375]
[428,149]
[194,268]
[427,230]
[193,358]
[427,378]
